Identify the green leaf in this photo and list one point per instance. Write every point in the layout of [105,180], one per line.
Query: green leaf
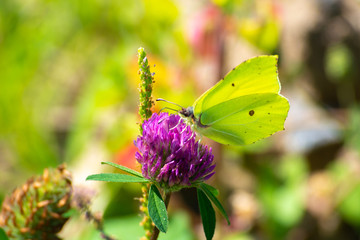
[157,209]
[213,190]
[125,169]
[116,177]
[3,235]
[207,214]
[209,192]
[70,213]
[349,207]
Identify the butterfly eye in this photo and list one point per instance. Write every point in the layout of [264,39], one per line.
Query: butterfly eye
[251,112]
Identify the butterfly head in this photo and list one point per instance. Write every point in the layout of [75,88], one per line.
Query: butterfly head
[188,115]
[187,112]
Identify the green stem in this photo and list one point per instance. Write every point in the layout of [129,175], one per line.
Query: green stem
[146,80]
[146,103]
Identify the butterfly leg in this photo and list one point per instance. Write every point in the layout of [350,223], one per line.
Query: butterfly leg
[177,125]
[184,129]
[160,121]
[199,144]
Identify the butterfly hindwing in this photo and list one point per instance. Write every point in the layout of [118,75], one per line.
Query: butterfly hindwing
[245,119]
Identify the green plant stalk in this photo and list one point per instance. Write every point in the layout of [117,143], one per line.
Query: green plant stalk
[146,80]
[146,103]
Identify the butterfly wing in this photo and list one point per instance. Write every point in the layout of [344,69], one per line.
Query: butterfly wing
[255,75]
[245,119]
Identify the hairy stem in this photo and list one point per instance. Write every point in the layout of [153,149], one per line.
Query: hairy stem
[146,103]
[145,88]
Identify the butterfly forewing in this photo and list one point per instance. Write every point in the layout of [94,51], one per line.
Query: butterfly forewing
[256,75]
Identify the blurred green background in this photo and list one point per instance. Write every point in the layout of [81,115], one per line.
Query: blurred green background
[68,94]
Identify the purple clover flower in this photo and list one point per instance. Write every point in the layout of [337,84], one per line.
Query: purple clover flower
[170,155]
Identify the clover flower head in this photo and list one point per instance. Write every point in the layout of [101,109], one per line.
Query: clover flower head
[170,155]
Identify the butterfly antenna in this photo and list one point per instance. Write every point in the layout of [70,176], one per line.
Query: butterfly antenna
[161,99]
[167,108]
